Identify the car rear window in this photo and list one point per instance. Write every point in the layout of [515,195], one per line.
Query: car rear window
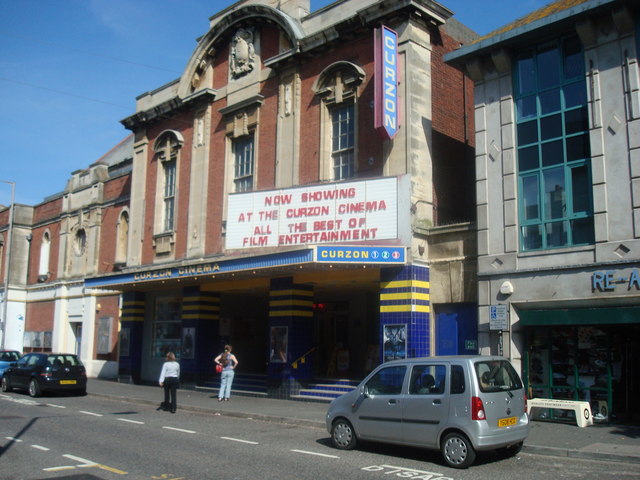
[496,376]
[63,361]
[9,356]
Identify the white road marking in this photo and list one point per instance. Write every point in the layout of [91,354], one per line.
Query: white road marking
[39,447]
[84,461]
[240,440]
[315,453]
[91,413]
[13,439]
[57,469]
[55,406]
[180,429]
[131,421]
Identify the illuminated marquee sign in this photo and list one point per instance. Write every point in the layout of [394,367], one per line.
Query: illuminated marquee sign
[386,82]
[343,212]
[348,254]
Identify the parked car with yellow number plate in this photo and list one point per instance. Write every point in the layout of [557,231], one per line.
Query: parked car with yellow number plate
[43,372]
[458,404]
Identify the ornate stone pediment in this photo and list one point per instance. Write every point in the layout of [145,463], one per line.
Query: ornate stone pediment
[242,53]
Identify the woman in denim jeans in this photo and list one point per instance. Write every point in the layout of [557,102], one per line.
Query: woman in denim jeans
[229,362]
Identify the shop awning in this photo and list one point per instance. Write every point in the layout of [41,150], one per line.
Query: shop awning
[580,316]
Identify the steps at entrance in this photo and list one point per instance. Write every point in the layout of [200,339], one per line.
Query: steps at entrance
[326,390]
[243,383]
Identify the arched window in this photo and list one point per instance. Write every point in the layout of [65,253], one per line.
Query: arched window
[337,86]
[167,148]
[122,239]
[45,250]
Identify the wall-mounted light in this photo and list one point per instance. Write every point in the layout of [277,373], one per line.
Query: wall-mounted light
[506,288]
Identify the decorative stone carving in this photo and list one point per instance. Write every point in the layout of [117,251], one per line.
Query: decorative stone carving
[243,56]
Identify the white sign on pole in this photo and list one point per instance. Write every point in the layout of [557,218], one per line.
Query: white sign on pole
[498,318]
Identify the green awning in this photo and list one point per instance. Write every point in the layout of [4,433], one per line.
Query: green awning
[580,316]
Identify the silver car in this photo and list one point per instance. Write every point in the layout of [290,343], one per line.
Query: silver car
[458,405]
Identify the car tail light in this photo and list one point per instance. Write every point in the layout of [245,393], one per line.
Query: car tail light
[477,409]
[45,374]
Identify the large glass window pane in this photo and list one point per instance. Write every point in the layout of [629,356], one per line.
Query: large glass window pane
[531,237]
[582,231]
[581,189]
[550,101]
[548,68]
[573,58]
[575,94]
[551,127]
[528,132]
[552,153]
[526,75]
[556,234]
[531,198]
[528,158]
[576,121]
[554,193]
[578,148]
[526,108]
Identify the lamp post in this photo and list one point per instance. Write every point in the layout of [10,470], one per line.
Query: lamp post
[7,262]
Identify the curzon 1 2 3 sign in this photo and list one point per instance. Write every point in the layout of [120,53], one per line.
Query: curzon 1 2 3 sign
[386,82]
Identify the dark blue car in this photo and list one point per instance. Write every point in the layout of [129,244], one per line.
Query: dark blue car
[42,372]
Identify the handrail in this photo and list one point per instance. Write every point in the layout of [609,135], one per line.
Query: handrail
[303,358]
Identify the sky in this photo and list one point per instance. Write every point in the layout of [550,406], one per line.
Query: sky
[70,70]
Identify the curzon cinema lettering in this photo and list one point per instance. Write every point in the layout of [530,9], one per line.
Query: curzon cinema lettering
[386,82]
[176,272]
[345,212]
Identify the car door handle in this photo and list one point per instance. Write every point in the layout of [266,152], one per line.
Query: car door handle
[392,401]
[437,401]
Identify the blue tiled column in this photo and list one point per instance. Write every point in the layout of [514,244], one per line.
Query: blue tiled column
[132,325]
[200,311]
[290,306]
[405,312]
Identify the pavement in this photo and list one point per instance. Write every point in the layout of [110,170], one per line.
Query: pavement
[601,441]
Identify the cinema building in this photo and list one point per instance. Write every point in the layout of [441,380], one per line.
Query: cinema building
[304,191]
[557,102]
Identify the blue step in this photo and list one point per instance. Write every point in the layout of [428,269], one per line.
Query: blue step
[326,390]
[242,383]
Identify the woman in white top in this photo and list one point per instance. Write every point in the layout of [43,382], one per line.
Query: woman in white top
[169,377]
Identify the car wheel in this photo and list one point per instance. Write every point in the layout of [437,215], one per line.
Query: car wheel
[343,436]
[457,451]
[6,386]
[511,450]
[34,388]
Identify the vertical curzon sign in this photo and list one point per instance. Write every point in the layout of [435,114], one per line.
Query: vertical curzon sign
[386,82]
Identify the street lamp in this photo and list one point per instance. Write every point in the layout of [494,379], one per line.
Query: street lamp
[7,262]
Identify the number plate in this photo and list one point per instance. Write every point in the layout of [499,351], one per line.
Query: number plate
[67,382]
[507,422]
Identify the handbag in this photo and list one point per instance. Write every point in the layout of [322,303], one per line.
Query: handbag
[219,368]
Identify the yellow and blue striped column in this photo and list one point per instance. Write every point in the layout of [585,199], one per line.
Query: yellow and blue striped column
[132,326]
[290,311]
[201,313]
[405,311]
